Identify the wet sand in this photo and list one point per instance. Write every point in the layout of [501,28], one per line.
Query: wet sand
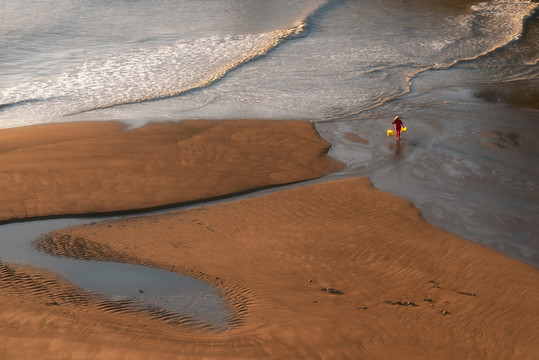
[517,93]
[334,270]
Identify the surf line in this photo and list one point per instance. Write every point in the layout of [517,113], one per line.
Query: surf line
[272,41]
[532,11]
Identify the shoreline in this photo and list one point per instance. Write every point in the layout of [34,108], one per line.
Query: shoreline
[321,270]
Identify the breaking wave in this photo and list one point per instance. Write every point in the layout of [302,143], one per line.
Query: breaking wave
[147,74]
[491,26]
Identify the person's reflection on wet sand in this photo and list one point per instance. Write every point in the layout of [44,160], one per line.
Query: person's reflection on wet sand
[398,147]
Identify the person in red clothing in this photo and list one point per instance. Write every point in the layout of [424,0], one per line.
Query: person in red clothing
[398,125]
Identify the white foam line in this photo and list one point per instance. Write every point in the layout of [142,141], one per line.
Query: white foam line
[268,42]
[485,7]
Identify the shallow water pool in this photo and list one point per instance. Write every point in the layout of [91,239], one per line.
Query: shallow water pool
[142,286]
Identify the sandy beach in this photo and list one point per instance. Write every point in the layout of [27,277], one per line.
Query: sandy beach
[333,270]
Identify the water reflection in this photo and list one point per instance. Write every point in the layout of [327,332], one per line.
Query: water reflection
[397,147]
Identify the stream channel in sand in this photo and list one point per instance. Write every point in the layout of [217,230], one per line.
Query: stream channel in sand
[170,291]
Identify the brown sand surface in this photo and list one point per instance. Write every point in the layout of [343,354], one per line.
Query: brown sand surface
[78,168]
[403,288]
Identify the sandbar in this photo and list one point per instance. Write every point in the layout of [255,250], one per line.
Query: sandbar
[101,167]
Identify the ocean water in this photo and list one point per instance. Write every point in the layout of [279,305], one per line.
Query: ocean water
[464,76]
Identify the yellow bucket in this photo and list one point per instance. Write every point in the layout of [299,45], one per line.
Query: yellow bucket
[390,132]
[403,129]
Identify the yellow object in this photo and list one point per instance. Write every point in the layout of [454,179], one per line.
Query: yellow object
[404,129]
[390,132]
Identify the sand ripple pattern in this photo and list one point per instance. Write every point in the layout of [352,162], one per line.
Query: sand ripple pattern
[238,297]
[40,288]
